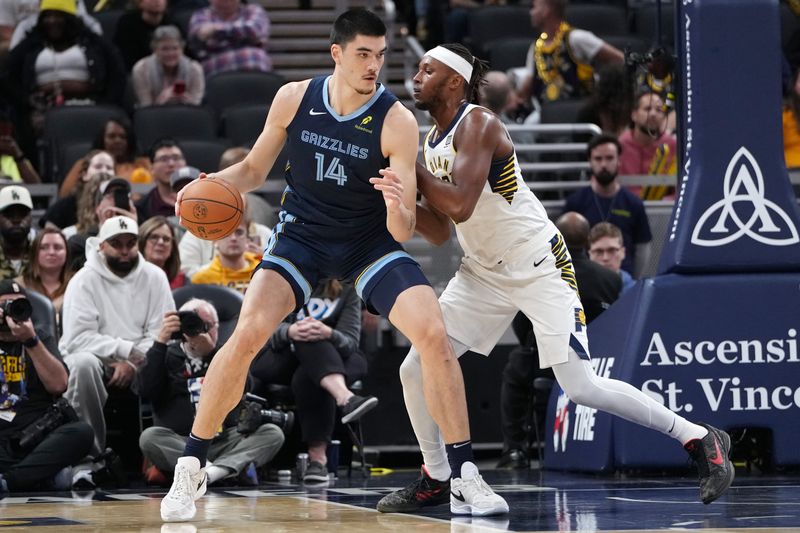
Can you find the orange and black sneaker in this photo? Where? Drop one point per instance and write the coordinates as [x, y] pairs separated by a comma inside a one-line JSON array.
[[423, 492], [710, 454]]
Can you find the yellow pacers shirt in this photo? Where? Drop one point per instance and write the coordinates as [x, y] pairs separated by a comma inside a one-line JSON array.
[[216, 274]]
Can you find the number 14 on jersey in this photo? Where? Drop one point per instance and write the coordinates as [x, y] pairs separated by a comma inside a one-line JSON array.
[[334, 171]]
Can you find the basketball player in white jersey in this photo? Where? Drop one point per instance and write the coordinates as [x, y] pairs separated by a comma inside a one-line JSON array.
[[514, 260]]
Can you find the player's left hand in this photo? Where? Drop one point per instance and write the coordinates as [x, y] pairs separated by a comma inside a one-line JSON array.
[[391, 187]]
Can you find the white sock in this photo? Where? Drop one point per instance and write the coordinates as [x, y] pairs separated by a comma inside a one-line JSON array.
[[684, 431], [215, 473]]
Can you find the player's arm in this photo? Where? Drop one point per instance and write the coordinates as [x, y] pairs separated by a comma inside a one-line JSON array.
[[476, 140], [431, 224], [398, 182], [251, 172]]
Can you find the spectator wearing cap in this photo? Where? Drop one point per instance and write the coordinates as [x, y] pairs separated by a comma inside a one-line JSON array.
[[113, 309], [158, 245], [166, 157], [103, 197], [32, 377], [61, 62], [15, 229]]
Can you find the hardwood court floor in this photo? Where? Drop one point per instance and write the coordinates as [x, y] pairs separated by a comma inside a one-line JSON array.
[[548, 502]]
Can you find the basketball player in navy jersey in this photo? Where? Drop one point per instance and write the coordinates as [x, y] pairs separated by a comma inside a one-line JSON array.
[[351, 198], [515, 260]]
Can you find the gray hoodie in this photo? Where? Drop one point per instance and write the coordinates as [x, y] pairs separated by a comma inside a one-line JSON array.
[[107, 315]]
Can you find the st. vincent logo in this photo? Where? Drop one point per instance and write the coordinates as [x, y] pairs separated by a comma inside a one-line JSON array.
[[744, 210]]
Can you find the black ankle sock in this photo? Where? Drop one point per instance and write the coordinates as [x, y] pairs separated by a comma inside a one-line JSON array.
[[197, 447], [458, 453]]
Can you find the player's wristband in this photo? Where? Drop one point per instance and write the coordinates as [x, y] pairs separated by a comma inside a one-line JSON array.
[[32, 342]]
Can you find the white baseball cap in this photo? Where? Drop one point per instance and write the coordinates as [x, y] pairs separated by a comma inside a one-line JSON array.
[[15, 195], [118, 226]]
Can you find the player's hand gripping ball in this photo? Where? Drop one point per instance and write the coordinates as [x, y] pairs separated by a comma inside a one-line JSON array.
[[210, 208]]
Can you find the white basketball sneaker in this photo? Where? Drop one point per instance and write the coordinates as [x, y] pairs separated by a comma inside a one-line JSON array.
[[470, 495], [188, 485]]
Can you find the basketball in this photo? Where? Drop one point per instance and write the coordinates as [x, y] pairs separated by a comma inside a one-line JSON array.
[[211, 208]]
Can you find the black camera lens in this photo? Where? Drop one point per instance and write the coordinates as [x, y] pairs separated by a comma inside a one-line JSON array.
[[19, 310], [191, 323]]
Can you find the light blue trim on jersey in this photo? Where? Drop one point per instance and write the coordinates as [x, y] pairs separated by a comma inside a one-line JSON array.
[[355, 113], [367, 274], [287, 265]]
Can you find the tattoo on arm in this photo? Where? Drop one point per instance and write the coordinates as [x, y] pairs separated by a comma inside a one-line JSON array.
[[412, 221]]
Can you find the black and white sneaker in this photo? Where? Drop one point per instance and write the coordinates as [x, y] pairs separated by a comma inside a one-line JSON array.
[[423, 492], [356, 407], [315, 473], [710, 454]]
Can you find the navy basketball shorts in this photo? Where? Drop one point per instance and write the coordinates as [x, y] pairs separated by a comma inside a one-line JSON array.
[[375, 263]]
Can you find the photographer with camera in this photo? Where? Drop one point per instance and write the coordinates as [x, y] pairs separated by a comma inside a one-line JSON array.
[[39, 432], [172, 379]]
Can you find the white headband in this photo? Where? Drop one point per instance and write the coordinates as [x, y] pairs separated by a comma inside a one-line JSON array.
[[452, 60]]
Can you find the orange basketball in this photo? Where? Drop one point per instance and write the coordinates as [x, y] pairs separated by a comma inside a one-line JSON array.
[[211, 208]]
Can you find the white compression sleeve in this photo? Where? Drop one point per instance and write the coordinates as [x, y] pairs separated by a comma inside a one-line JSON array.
[[428, 436]]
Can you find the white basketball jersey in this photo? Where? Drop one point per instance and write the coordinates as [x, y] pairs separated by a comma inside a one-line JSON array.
[[507, 212]]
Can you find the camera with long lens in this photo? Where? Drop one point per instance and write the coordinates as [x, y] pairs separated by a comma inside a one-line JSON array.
[[19, 310], [256, 413], [191, 325], [57, 415]]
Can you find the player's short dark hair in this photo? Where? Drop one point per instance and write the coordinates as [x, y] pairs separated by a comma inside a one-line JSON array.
[[479, 70], [602, 138], [357, 21]]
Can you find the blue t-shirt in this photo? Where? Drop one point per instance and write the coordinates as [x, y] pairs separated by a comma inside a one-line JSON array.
[[625, 210]]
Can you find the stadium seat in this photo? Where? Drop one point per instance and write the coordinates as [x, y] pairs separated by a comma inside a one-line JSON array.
[[229, 89], [242, 124], [68, 125], [645, 21], [68, 155], [226, 301], [598, 19], [108, 20], [626, 42], [487, 24], [511, 52], [562, 112], [181, 122], [181, 18], [204, 154], [44, 314]]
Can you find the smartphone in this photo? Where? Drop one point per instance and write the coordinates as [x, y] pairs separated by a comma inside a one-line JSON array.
[[121, 199], [179, 87]]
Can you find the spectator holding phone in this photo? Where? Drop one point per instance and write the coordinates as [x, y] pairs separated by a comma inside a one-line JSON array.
[[167, 76]]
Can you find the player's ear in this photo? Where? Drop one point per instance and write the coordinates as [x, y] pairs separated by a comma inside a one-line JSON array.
[[336, 52]]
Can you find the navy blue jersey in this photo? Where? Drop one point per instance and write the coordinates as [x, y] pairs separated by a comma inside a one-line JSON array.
[[331, 159]]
